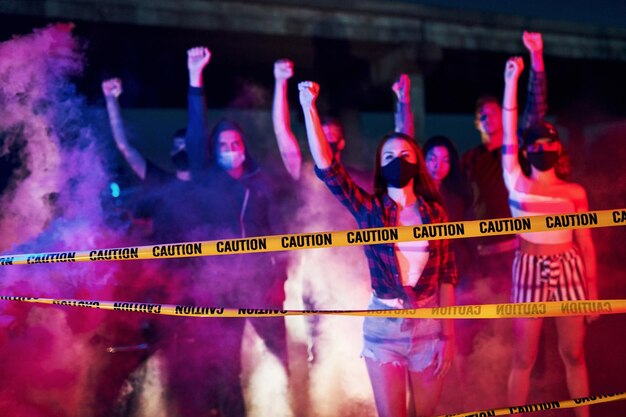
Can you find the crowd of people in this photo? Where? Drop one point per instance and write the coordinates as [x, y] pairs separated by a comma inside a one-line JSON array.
[[218, 190]]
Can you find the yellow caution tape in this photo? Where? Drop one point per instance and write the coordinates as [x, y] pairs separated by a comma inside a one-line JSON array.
[[484, 311], [358, 237], [552, 405]]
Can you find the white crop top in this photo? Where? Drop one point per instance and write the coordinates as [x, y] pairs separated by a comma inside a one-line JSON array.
[[412, 256], [522, 203]]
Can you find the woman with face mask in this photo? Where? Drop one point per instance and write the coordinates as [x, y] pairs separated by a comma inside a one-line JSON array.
[[548, 266], [403, 275]]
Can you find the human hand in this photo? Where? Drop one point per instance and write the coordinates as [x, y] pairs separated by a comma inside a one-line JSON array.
[[112, 87], [309, 91], [513, 69], [444, 356], [283, 69], [197, 58], [533, 41], [402, 88]]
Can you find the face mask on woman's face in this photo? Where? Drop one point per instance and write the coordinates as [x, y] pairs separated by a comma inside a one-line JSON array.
[[398, 172], [543, 160], [231, 159]]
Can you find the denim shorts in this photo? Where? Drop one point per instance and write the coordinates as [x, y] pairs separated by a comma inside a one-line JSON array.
[[411, 343]]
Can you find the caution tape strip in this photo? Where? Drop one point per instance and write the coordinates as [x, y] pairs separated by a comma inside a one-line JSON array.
[[356, 237], [483, 311], [552, 405]]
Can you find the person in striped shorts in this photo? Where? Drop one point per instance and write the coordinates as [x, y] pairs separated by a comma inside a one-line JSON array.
[[548, 266]]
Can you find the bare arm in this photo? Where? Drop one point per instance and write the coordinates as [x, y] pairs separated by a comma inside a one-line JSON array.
[[287, 142], [318, 144], [112, 89], [403, 117], [510, 162]]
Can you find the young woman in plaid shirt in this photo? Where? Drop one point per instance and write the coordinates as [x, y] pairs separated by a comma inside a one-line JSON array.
[[403, 275]]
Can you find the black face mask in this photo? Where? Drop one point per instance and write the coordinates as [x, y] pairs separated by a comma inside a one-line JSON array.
[[543, 160], [181, 160], [399, 172]]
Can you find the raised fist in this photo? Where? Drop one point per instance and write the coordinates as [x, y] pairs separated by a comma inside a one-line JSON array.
[[112, 87], [198, 58], [513, 69], [402, 88], [283, 69], [533, 41], [308, 93]]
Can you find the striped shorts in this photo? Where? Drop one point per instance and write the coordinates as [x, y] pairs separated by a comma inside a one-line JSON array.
[[548, 278]]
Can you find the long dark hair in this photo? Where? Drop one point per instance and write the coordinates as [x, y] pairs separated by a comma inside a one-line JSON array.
[[249, 165], [454, 181], [423, 185]]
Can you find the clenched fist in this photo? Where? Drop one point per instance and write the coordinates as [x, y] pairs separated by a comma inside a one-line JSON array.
[[112, 87], [513, 69], [402, 88], [533, 41], [283, 69], [198, 58], [308, 93]]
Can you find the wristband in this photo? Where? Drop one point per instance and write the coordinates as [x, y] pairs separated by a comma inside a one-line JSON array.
[[509, 149]]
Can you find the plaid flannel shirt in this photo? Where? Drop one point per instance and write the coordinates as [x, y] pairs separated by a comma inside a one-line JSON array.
[[372, 211], [536, 101]]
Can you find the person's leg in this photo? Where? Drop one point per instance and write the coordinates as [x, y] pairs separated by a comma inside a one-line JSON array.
[[426, 389], [274, 334], [110, 380], [189, 358], [571, 332], [389, 386], [490, 284], [526, 333], [227, 367], [119, 354], [270, 294]]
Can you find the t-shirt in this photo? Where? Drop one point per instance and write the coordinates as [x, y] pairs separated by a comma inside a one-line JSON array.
[[483, 170]]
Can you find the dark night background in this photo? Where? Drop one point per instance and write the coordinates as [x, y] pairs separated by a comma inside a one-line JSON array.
[[151, 61]]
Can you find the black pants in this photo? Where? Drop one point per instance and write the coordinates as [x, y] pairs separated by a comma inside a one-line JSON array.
[[205, 363]]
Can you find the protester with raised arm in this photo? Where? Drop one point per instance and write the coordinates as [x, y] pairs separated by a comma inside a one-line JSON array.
[[403, 117], [403, 275], [238, 202], [287, 142], [143, 168], [548, 266]]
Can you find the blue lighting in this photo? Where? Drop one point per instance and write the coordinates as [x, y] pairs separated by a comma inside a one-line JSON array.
[[115, 189]]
